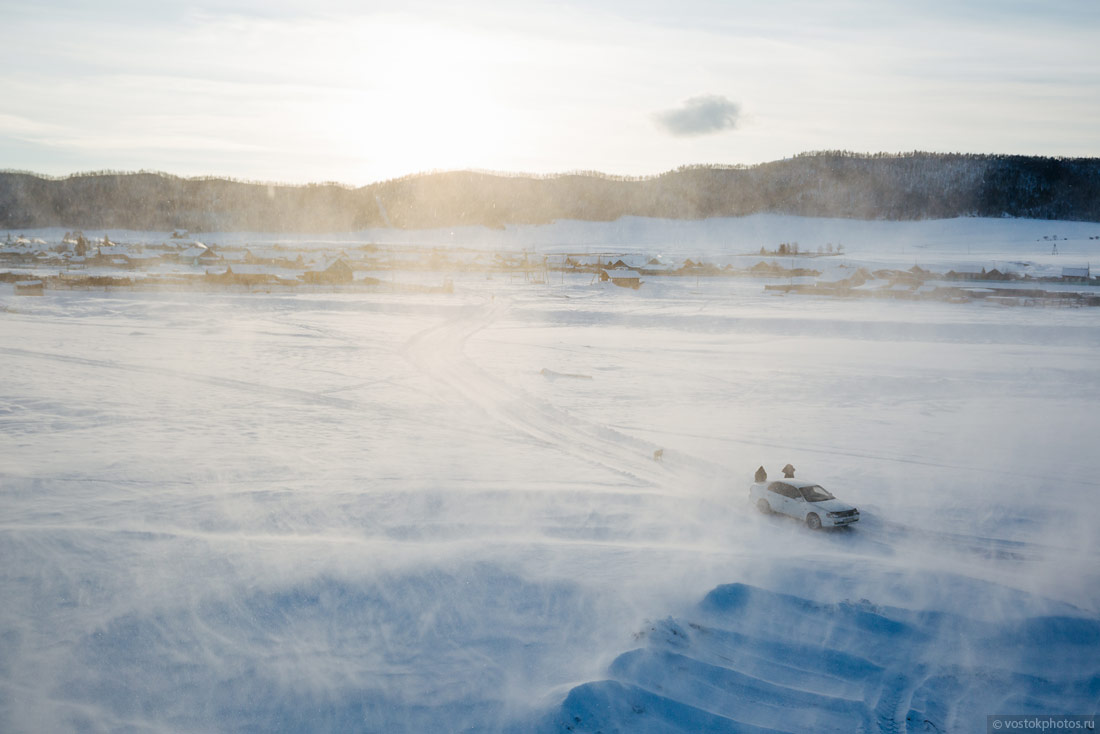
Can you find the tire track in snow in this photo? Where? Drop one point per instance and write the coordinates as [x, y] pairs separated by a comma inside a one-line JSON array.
[[968, 544], [439, 352], [828, 450], [241, 385]]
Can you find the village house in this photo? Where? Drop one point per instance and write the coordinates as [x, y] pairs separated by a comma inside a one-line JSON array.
[[234, 256], [654, 266], [241, 274], [30, 288], [767, 270], [622, 277], [337, 272], [209, 257], [964, 272], [1076, 275], [17, 256], [113, 256], [190, 255], [274, 256]]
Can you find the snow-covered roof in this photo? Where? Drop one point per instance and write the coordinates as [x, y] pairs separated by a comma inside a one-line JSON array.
[[323, 264], [586, 259], [1075, 272], [872, 285], [194, 251], [315, 259], [263, 253], [623, 274], [633, 261], [246, 269]]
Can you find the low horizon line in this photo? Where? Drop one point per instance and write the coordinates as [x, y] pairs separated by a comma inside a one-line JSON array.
[[528, 174]]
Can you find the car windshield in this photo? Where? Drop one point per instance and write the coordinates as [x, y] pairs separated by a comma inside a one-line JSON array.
[[816, 493]]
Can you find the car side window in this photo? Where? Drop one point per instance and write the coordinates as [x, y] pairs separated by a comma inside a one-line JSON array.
[[784, 489]]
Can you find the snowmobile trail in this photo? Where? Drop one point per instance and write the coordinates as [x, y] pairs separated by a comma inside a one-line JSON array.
[[439, 352]]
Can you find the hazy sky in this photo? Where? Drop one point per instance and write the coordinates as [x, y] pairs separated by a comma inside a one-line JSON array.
[[361, 91]]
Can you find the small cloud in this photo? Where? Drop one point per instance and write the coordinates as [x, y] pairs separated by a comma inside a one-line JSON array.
[[703, 115]]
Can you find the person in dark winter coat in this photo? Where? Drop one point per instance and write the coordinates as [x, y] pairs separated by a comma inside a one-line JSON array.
[[788, 471], [761, 475]]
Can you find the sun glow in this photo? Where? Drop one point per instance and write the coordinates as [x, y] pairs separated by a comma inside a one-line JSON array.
[[426, 99]]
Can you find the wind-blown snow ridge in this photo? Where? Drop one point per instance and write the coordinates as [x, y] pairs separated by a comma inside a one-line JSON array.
[[751, 660]]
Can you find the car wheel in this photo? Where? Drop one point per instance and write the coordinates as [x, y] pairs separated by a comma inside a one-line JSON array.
[[764, 507], [813, 522]]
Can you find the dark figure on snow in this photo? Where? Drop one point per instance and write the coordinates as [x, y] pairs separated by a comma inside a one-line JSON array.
[[761, 475], [788, 471]]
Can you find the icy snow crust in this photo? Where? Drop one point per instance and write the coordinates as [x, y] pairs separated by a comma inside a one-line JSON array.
[[379, 511]]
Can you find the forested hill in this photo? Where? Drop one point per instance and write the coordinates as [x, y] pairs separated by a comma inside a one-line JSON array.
[[833, 184]]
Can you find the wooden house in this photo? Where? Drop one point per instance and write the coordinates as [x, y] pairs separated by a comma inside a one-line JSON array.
[[337, 272], [622, 277], [1076, 275], [30, 288]]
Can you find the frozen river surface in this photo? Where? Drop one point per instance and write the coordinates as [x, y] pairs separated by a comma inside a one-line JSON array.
[[394, 512]]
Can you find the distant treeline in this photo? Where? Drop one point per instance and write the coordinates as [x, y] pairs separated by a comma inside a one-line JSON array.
[[823, 184]]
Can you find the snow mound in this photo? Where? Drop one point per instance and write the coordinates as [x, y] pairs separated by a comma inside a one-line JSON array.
[[752, 660]]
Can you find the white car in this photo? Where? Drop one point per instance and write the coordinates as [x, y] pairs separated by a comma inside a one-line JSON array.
[[802, 500]]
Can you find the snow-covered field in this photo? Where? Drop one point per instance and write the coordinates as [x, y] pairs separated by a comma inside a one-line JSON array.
[[311, 512]]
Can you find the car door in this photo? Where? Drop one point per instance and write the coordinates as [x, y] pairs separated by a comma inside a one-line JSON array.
[[796, 504], [782, 498]]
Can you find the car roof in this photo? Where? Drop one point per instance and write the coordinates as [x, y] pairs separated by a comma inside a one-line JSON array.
[[798, 483]]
